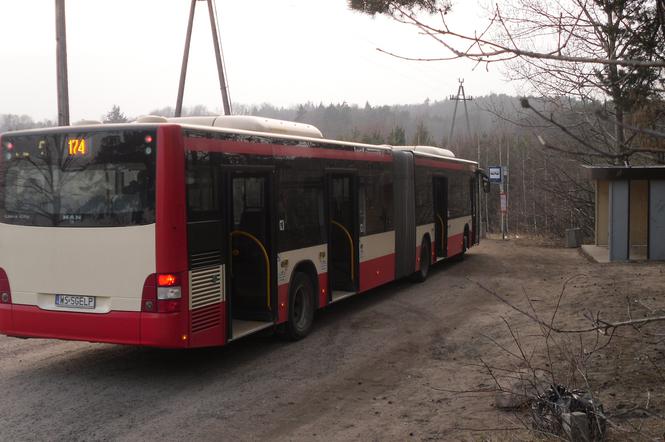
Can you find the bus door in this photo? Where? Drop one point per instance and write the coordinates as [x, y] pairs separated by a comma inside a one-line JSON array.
[[475, 224], [440, 199], [342, 234], [252, 297]]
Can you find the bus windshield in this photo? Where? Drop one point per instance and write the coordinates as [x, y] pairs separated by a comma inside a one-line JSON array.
[[90, 179]]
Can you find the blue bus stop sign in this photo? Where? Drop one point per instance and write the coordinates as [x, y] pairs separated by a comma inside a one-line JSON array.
[[495, 174]]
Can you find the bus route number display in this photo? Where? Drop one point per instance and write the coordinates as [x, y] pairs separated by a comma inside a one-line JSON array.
[[77, 147]]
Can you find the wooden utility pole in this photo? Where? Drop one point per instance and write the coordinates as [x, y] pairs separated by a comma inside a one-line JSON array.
[[218, 57], [61, 63]]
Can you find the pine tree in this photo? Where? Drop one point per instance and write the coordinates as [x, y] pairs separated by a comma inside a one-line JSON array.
[[397, 137], [115, 115], [422, 136]]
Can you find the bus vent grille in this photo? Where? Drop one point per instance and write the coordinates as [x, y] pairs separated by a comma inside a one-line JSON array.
[[205, 259], [205, 318], [206, 286]]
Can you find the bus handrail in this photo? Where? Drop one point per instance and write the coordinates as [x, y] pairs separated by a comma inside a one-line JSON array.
[[443, 233], [350, 238], [265, 256]]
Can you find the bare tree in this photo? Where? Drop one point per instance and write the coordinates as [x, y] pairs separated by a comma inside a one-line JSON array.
[[604, 58]]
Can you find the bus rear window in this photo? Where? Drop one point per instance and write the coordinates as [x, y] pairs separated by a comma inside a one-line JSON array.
[[94, 179]]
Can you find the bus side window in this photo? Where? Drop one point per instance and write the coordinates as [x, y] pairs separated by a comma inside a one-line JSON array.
[[300, 209], [202, 188]]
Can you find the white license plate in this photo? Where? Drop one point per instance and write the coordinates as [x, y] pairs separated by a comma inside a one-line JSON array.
[[74, 301]]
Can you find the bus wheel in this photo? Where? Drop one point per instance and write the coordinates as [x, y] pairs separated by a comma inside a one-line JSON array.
[[301, 308], [425, 261]]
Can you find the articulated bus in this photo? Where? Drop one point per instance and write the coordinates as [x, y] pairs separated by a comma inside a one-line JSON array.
[[193, 232]]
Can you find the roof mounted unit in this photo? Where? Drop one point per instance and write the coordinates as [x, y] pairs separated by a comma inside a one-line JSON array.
[[254, 124], [86, 123], [428, 150], [151, 119]]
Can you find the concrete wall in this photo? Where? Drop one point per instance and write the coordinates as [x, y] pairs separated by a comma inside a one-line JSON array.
[[639, 212], [602, 212]]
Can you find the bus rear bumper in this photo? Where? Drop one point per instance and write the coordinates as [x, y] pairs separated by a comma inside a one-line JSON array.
[[132, 328]]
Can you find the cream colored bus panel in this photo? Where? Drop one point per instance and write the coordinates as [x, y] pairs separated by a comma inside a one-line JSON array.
[[422, 230], [110, 263], [287, 261], [377, 245], [456, 226]]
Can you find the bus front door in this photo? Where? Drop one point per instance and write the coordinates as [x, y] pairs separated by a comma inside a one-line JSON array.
[[342, 235], [440, 198], [250, 239]]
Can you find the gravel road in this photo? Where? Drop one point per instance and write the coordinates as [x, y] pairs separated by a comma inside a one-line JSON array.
[[375, 367]]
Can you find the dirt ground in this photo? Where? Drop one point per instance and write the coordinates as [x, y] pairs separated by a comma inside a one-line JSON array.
[[402, 362]]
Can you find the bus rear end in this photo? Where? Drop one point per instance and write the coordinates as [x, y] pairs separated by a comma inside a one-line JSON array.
[[89, 240]]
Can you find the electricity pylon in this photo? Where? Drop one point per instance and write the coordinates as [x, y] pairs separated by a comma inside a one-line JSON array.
[[223, 86], [457, 98]]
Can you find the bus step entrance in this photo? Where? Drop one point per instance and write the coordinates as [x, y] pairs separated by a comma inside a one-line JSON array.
[[242, 328], [338, 295]]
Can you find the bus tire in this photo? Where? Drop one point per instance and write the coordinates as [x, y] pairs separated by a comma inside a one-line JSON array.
[[301, 308], [425, 262]]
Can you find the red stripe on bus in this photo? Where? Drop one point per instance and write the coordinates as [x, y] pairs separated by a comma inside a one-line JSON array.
[[377, 271], [112, 327], [455, 244], [132, 328], [212, 335], [208, 145], [323, 289], [443, 164], [6, 323], [171, 231], [283, 303]]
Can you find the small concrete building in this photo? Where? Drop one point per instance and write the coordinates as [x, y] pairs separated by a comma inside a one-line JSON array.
[[630, 213]]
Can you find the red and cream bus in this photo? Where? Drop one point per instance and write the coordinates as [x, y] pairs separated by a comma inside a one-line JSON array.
[[193, 232]]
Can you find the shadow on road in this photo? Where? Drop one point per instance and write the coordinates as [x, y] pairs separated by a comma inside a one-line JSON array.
[[157, 367]]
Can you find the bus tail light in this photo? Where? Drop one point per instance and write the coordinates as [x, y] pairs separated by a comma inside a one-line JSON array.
[[5, 291], [167, 280], [169, 293], [168, 287], [162, 293]]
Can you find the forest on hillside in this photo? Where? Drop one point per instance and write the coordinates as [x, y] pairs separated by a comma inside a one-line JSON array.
[[594, 93], [548, 191]]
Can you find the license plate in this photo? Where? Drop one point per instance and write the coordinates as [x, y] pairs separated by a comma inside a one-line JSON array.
[[74, 301]]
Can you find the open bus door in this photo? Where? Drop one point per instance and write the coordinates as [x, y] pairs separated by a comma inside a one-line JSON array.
[[440, 199], [252, 300], [343, 259]]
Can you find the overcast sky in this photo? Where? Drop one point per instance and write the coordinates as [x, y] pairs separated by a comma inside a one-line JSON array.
[[284, 52]]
